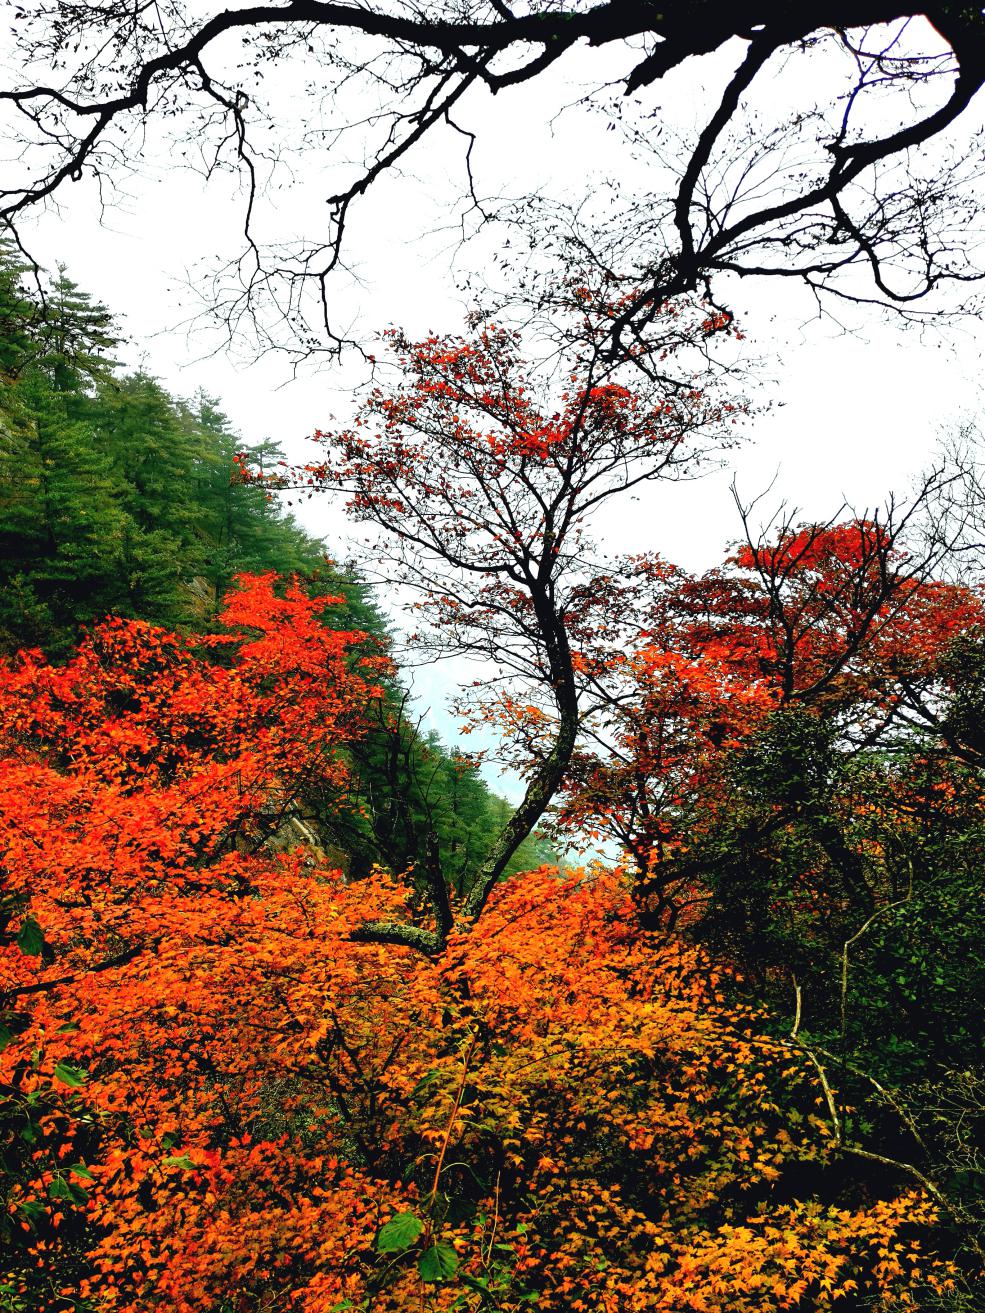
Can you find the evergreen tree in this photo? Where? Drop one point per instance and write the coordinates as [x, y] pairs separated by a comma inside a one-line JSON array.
[[75, 338], [61, 524], [18, 313]]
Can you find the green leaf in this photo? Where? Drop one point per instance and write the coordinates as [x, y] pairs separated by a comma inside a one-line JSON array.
[[67, 1028], [427, 1079], [480, 1286], [179, 1160], [80, 1169], [6, 1035], [399, 1233], [60, 1189], [438, 1263], [32, 1210], [30, 939], [69, 1075]]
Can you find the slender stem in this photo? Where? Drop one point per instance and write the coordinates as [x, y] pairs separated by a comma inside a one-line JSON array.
[[459, 1095], [798, 1001]]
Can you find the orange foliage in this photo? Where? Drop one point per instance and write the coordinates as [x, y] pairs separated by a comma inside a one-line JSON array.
[[236, 1107]]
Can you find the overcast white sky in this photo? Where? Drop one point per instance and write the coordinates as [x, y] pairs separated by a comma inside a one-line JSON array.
[[845, 416]]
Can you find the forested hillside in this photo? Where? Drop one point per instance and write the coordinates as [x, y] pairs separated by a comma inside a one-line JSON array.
[[118, 499], [295, 1014]]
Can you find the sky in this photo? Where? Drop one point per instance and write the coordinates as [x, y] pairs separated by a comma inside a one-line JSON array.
[[838, 416]]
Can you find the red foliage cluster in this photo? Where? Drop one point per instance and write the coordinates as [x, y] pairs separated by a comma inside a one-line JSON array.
[[836, 621]]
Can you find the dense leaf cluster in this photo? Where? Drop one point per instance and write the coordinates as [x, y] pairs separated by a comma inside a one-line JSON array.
[[219, 1098]]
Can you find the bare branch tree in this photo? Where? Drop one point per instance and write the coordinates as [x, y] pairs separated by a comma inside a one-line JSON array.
[[840, 193]]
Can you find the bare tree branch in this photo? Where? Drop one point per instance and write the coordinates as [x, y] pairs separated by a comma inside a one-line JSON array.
[[858, 206]]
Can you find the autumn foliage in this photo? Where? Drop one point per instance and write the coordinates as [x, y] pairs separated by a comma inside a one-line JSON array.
[[215, 1096], [838, 624]]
